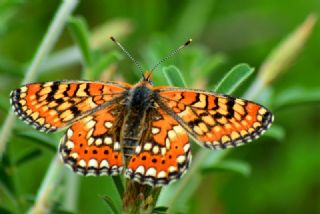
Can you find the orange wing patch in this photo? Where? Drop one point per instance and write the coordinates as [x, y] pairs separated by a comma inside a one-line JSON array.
[[163, 156], [53, 105], [91, 146], [217, 121]]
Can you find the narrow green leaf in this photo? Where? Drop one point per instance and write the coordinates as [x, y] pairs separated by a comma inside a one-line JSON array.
[[297, 96], [104, 62], [8, 196], [61, 211], [276, 132], [191, 24], [4, 103], [70, 56], [281, 57], [29, 198], [80, 33], [10, 67], [287, 51], [236, 166], [39, 138], [214, 158], [5, 211], [111, 204], [8, 190], [180, 203], [29, 155], [173, 76], [8, 11], [234, 78], [160, 210], [6, 174], [212, 63], [119, 185]]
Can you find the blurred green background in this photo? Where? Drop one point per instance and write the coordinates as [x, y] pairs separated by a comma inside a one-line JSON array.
[[284, 167]]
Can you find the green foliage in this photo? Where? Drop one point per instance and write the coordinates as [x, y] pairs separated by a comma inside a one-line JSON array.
[[79, 30], [111, 204], [104, 62], [297, 96], [276, 132], [224, 34], [160, 210], [27, 156], [234, 78], [174, 76], [39, 138], [236, 166]]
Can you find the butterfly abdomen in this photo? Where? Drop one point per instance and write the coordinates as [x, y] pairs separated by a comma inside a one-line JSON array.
[[138, 102]]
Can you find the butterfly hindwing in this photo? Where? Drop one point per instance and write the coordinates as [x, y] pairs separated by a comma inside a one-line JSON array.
[[53, 105], [91, 146], [164, 154], [217, 121]]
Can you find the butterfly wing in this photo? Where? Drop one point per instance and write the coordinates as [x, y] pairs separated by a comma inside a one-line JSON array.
[[91, 146], [53, 105], [164, 153], [215, 121]]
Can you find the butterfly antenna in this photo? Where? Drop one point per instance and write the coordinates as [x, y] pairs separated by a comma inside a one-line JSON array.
[[171, 55], [127, 53]]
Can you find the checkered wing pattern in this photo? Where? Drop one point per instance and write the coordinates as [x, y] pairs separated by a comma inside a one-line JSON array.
[[164, 153], [91, 146], [216, 121], [53, 105]]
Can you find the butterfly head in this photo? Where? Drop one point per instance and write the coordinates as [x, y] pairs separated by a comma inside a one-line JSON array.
[[147, 77]]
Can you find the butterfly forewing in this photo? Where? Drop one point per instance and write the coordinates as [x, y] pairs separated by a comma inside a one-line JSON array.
[[217, 121], [164, 154], [53, 105]]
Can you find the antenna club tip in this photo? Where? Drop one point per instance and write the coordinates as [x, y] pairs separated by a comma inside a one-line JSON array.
[[188, 42], [112, 38]]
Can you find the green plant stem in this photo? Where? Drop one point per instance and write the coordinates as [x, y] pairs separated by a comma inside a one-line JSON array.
[[6, 131], [45, 47], [71, 191], [53, 178]]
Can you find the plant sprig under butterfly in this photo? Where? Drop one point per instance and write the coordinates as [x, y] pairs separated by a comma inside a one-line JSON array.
[[139, 130]]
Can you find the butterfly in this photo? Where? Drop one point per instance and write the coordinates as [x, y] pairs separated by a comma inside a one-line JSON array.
[[139, 130]]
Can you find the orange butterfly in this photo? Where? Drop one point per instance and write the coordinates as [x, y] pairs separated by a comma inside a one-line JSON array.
[[139, 129]]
